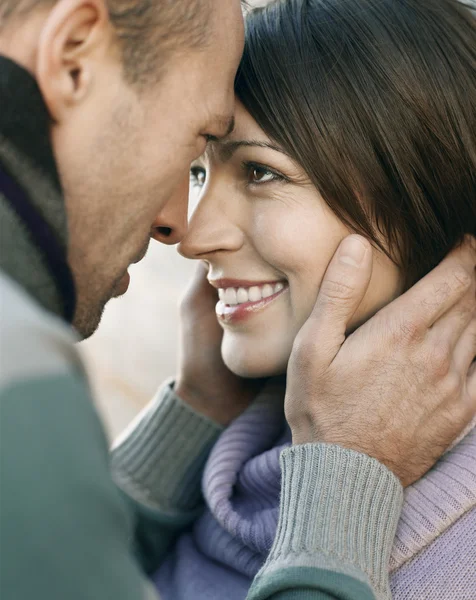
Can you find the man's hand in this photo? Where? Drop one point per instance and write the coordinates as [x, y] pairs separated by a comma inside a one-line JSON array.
[[204, 382], [400, 388]]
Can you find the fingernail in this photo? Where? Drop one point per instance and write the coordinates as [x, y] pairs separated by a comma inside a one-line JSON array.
[[352, 250]]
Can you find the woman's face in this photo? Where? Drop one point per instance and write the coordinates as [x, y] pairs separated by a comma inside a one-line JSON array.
[[268, 237]]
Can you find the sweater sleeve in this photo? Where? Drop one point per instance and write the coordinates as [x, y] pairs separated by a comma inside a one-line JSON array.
[[158, 464], [338, 516]]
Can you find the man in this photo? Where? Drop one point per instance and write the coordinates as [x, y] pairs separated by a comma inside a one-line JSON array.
[[104, 106]]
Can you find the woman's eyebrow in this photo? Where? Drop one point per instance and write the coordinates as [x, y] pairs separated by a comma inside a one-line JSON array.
[[225, 149]]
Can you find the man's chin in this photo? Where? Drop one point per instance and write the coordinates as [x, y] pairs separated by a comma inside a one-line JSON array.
[[89, 313], [86, 322]]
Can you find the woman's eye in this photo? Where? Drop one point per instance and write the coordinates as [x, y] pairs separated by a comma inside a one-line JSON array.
[[257, 174], [198, 176], [261, 175]]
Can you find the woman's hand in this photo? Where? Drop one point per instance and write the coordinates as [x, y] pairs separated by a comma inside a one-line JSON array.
[[204, 382], [402, 387]]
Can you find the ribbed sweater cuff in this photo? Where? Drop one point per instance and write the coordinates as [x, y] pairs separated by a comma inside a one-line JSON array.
[[339, 511], [159, 460]]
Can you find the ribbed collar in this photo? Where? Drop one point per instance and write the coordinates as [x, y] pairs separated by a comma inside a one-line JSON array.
[[31, 193]]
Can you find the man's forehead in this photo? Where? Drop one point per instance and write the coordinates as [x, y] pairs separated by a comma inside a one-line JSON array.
[[244, 128], [227, 123]]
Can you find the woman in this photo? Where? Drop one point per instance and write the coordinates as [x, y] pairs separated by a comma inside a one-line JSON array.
[[353, 115]]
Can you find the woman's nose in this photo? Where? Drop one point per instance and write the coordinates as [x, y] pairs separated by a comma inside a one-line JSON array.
[[170, 225], [211, 229]]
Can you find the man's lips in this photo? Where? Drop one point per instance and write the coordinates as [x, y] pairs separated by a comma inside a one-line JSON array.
[[141, 254], [122, 285]]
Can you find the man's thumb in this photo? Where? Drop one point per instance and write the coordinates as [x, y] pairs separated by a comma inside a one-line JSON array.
[[342, 290]]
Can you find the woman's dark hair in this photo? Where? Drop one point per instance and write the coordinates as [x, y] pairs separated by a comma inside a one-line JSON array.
[[376, 100]]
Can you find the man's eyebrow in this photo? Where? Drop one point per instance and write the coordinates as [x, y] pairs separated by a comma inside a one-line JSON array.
[[226, 149]]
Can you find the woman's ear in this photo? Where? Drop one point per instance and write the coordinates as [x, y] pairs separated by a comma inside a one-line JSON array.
[[76, 35]]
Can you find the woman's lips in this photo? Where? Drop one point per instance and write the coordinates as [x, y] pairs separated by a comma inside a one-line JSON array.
[[235, 313]]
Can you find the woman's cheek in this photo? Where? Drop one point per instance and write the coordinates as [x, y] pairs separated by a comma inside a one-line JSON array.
[[297, 237], [283, 234]]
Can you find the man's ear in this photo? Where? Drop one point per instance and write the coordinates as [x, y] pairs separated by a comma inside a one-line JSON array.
[[77, 33]]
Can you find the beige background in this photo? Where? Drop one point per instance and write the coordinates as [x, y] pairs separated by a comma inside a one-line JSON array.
[[135, 347]]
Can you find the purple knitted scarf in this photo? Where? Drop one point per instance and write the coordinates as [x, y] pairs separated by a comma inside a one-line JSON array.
[[434, 554]]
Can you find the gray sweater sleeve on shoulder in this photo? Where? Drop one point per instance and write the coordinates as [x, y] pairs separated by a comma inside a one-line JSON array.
[[65, 530]]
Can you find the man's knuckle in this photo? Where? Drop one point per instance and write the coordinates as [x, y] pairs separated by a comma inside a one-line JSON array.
[[452, 386], [466, 310], [304, 350], [409, 330], [440, 359], [441, 291], [462, 280], [299, 414], [335, 290]]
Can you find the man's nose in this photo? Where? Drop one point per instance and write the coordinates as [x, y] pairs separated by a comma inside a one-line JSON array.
[[170, 225]]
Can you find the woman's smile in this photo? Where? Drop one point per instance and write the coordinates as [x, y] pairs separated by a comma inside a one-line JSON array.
[[240, 300]]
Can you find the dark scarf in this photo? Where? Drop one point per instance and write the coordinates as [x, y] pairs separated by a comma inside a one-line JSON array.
[[33, 237]]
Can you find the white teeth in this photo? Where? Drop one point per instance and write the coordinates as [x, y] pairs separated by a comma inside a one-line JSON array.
[[267, 291], [242, 296], [254, 294], [229, 296], [232, 296]]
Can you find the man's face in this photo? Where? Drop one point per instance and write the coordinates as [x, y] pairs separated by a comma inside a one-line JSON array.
[[124, 157]]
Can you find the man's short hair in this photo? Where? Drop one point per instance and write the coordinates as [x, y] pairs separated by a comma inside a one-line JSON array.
[[147, 30]]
